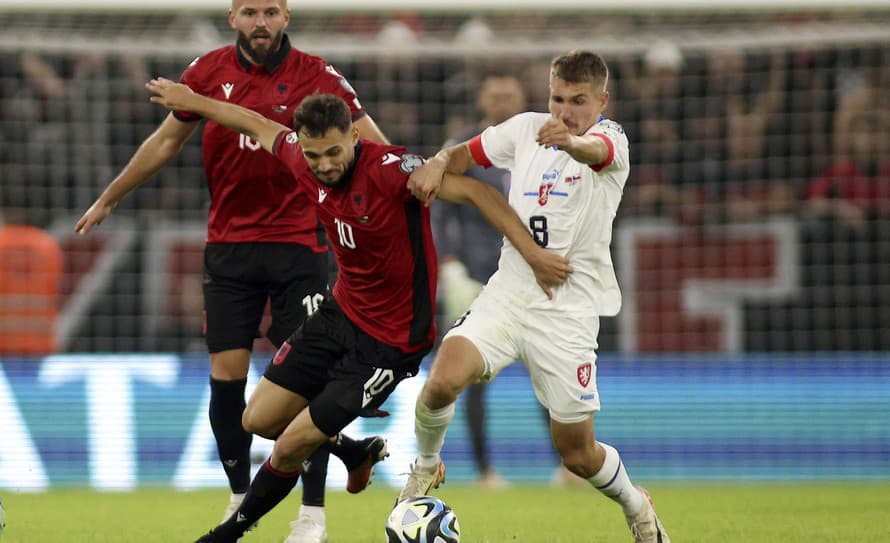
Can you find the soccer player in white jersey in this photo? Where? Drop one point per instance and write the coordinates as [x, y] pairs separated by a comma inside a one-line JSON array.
[[568, 171]]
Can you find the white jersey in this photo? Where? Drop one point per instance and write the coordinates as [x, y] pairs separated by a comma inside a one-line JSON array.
[[567, 205]]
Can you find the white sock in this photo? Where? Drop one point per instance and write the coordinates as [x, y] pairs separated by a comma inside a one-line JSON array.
[[430, 426], [612, 480], [314, 512]]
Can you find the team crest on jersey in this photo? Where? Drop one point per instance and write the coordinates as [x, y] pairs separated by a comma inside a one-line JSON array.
[[584, 373], [544, 193], [410, 163]]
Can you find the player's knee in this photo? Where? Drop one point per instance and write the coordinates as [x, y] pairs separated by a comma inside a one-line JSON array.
[[254, 423], [440, 391], [579, 458]]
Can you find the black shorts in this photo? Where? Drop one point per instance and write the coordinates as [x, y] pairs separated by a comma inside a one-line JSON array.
[[342, 371], [240, 277]]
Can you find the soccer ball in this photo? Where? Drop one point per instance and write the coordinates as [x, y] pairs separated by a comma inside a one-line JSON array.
[[422, 520]]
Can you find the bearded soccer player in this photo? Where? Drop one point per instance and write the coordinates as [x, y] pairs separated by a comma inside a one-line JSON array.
[[264, 241], [378, 324]]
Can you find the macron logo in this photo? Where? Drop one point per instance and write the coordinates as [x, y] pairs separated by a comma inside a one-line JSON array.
[[390, 158], [227, 89], [322, 194], [240, 517]]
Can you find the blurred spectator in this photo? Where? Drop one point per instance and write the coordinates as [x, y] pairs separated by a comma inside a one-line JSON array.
[[651, 111], [752, 190]]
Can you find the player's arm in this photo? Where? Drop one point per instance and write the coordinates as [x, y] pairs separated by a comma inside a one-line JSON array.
[[155, 152], [369, 130], [426, 181], [549, 267], [179, 97], [590, 149]]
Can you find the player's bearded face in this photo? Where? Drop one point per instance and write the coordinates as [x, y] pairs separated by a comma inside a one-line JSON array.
[[578, 105], [260, 44], [330, 156]]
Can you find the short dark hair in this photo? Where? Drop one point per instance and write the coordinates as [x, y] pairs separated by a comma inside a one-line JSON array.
[[580, 67], [318, 113]]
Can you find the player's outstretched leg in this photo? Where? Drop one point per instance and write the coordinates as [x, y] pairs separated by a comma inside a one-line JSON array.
[[359, 457], [268, 488], [309, 526], [428, 471]]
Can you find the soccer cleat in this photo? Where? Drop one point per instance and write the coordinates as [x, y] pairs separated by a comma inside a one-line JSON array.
[[645, 526], [360, 476], [420, 482], [306, 530], [213, 537]]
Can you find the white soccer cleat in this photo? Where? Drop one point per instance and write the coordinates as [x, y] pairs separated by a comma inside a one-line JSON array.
[[645, 526], [234, 503], [306, 530], [420, 481]]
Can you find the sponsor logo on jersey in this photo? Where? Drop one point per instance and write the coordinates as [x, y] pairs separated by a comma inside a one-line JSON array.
[[584, 372], [227, 89], [572, 179], [390, 158], [410, 163], [281, 354]]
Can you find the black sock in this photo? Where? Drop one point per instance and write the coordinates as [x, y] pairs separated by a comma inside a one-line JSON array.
[[350, 451], [232, 442], [315, 472], [268, 488]]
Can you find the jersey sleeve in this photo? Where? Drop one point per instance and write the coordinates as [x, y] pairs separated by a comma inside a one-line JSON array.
[[331, 81], [615, 139], [395, 167], [191, 77], [287, 150], [496, 145]]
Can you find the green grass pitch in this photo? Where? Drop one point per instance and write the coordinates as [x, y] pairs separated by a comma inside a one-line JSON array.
[[713, 513]]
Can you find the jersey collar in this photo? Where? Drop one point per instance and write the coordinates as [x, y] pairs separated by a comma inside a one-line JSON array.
[[275, 60]]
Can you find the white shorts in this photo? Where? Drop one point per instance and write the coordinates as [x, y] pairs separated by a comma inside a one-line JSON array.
[[558, 348]]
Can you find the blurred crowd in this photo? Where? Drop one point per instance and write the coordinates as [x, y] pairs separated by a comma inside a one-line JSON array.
[[717, 137]]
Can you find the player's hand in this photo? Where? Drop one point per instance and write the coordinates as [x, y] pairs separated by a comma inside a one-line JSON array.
[[94, 216], [425, 181], [555, 133], [550, 268], [173, 96]]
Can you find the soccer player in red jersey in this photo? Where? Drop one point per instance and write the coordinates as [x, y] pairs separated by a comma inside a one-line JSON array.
[[374, 330], [264, 240]]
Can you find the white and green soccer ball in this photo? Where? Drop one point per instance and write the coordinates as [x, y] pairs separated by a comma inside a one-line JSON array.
[[422, 520]]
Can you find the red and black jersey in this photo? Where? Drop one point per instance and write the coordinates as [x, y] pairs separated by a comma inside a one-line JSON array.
[[252, 195], [381, 238]]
